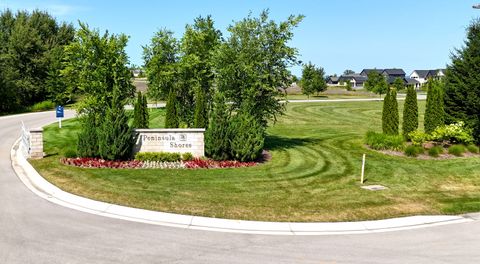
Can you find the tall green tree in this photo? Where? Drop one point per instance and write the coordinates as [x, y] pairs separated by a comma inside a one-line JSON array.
[[390, 118], [200, 118], [410, 112], [376, 83], [161, 57], [140, 112], [462, 82], [171, 117], [313, 79], [30, 52], [217, 135], [97, 65], [398, 84], [434, 112], [253, 63]]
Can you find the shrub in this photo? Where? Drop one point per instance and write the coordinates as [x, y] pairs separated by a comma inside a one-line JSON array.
[[418, 137], [247, 136], [115, 138], [390, 118], [217, 137], [70, 153], [410, 113], [454, 133], [187, 156], [43, 106], [140, 112], [434, 112], [457, 150], [87, 143], [381, 141], [472, 148], [158, 156], [413, 151], [435, 151]]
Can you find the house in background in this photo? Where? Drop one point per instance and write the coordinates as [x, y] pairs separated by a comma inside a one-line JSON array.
[[332, 80], [356, 80], [422, 76]]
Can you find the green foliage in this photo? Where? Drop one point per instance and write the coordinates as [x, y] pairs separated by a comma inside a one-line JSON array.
[[381, 141], [313, 79], [434, 113], [453, 133], [159, 156], [410, 113], [160, 59], [187, 156], [247, 136], [140, 112], [171, 118], [217, 145], [98, 66], [87, 144], [413, 151], [254, 62], [456, 150], [348, 85], [435, 151], [115, 137], [472, 148], [70, 153], [43, 106], [418, 137], [31, 46], [376, 83], [398, 84], [390, 118], [200, 117], [462, 85]]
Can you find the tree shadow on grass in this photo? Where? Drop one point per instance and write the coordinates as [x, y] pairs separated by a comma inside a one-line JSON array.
[[273, 142]]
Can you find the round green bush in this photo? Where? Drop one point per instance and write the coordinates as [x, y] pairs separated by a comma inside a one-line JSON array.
[[457, 150], [472, 148], [187, 156], [435, 151], [70, 153], [413, 151]]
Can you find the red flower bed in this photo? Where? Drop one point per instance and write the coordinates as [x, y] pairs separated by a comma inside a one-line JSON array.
[[100, 163], [210, 164]]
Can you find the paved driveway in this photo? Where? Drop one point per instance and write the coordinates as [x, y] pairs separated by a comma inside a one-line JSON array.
[[33, 230]]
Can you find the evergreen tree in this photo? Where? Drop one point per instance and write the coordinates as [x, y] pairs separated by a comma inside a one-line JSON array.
[[434, 112], [247, 136], [410, 112], [115, 138], [87, 143], [217, 137], [390, 119], [140, 112], [171, 118], [200, 117], [462, 83]]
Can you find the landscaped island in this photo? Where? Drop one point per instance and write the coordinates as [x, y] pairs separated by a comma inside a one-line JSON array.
[[313, 174]]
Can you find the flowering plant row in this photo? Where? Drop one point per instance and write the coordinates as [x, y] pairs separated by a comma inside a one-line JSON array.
[[101, 163], [136, 164], [211, 164]]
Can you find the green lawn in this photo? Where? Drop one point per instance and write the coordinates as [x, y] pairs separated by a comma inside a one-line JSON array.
[[313, 175]]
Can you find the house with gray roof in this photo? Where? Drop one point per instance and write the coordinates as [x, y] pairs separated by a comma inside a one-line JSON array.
[[356, 80], [422, 76]]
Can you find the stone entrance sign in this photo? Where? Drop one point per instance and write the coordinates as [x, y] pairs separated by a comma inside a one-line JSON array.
[[171, 140]]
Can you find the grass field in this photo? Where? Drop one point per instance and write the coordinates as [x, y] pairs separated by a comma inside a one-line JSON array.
[[313, 175]]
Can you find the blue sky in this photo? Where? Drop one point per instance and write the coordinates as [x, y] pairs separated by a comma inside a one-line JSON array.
[[337, 35]]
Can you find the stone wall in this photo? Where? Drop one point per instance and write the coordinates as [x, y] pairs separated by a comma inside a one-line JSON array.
[[36, 143], [171, 140]]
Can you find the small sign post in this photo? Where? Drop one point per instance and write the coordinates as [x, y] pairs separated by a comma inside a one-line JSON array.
[[59, 115], [363, 169]]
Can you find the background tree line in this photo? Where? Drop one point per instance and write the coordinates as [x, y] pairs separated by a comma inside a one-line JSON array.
[[31, 52]]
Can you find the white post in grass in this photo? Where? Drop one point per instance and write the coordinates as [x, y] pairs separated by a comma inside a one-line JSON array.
[[363, 169]]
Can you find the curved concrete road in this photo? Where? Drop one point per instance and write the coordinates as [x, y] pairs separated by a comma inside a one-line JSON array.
[[33, 230]]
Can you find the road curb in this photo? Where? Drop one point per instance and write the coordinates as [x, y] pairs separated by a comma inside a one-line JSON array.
[[41, 187]]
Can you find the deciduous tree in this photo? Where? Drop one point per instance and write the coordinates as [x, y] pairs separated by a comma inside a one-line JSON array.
[[313, 79]]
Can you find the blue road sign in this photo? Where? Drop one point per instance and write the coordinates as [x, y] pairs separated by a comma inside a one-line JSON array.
[[59, 111]]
